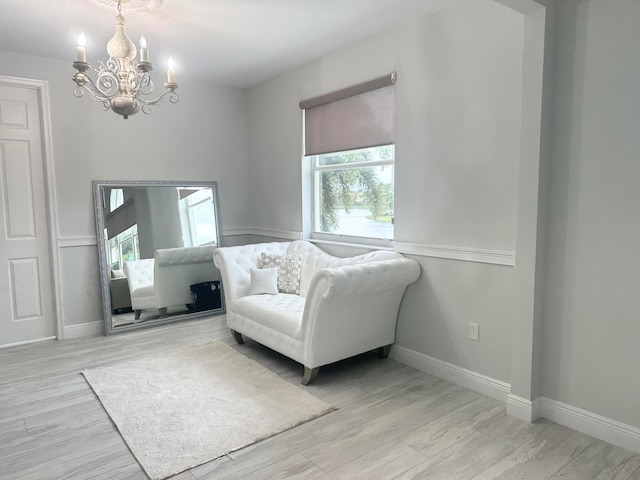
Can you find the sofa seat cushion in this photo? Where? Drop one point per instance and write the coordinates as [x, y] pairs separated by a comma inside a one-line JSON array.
[[282, 312], [144, 291]]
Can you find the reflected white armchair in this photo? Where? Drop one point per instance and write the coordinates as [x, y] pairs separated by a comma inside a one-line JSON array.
[[165, 280]]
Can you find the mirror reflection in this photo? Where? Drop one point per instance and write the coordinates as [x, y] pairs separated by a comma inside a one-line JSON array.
[[156, 252]]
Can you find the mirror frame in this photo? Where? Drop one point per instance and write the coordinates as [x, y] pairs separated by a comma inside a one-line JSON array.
[[109, 329]]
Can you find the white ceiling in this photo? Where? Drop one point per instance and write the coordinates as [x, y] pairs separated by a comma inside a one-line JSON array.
[[230, 42]]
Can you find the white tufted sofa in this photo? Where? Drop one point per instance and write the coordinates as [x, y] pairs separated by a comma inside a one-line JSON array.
[[346, 306], [164, 281]]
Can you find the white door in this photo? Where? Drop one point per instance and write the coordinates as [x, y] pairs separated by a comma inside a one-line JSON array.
[[26, 292]]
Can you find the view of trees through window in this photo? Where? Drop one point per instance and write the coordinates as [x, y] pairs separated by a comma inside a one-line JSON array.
[[354, 192], [123, 247]]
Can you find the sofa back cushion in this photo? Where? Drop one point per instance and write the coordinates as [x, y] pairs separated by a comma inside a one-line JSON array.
[[235, 264], [288, 268], [139, 273], [184, 255], [314, 259]]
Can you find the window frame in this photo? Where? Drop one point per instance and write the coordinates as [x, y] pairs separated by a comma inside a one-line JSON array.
[[315, 234]]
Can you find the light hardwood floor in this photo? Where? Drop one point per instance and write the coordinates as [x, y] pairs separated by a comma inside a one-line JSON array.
[[392, 422]]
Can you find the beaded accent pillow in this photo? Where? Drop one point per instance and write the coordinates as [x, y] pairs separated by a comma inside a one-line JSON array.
[[289, 270]]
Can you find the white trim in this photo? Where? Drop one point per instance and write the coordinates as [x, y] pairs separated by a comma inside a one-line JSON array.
[[42, 87], [523, 408], [237, 231], [262, 232], [474, 381], [603, 428], [351, 240], [79, 241], [89, 329], [26, 342], [467, 254]]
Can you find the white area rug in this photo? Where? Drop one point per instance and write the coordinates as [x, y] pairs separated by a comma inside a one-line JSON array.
[[186, 407]]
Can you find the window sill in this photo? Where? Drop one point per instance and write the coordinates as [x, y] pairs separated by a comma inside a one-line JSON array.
[[383, 245]]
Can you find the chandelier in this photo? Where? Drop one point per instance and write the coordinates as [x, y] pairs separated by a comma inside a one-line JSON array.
[[122, 83]]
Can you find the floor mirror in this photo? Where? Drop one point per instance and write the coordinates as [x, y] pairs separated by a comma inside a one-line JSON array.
[[155, 248]]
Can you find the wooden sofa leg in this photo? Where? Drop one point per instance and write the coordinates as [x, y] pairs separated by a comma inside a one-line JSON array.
[[383, 352], [238, 337], [309, 375], [137, 315], [163, 312]]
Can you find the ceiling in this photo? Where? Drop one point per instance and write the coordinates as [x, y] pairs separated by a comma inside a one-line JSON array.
[[229, 42]]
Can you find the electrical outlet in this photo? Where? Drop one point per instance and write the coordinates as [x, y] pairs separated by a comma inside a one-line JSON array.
[[474, 332]]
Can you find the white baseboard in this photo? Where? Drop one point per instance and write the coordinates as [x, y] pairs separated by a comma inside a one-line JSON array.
[[523, 408], [473, 381], [27, 342], [602, 428], [89, 329], [597, 426]]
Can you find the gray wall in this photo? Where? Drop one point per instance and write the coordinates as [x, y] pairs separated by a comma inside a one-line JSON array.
[[460, 179], [591, 332], [203, 137], [458, 115], [562, 323]]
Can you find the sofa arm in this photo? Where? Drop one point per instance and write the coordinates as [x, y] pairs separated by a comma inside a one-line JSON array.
[[350, 280], [352, 309]]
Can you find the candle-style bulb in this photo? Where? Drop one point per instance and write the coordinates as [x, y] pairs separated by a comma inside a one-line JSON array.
[[81, 55], [171, 72], [144, 53]]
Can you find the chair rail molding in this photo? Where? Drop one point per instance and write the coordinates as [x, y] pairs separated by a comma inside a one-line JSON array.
[[78, 241], [467, 254], [262, 232]]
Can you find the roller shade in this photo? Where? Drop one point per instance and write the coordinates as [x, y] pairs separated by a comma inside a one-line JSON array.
[[121, 219], [358, 116]]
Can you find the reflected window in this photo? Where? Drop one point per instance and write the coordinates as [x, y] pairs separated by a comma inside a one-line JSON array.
[[116, 199], [123, 247], [198, 216]]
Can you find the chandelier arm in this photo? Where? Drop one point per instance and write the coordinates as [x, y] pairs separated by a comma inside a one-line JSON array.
[[107, 82], [170, 95], [86, 84], [145, 84]]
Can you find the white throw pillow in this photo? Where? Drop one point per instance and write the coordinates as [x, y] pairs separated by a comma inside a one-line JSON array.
[[118, 274], [264, 280], [289, 270]]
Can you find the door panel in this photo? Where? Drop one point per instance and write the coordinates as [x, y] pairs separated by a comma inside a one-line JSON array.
[[26, 293]]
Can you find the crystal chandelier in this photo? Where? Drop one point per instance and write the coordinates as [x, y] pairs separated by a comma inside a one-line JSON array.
[[122, 82]]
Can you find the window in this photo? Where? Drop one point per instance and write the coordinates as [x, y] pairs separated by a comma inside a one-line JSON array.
[[353, 194], [349, 138]]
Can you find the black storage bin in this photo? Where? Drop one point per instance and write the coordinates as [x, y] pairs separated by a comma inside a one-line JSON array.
[[206, 295]]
